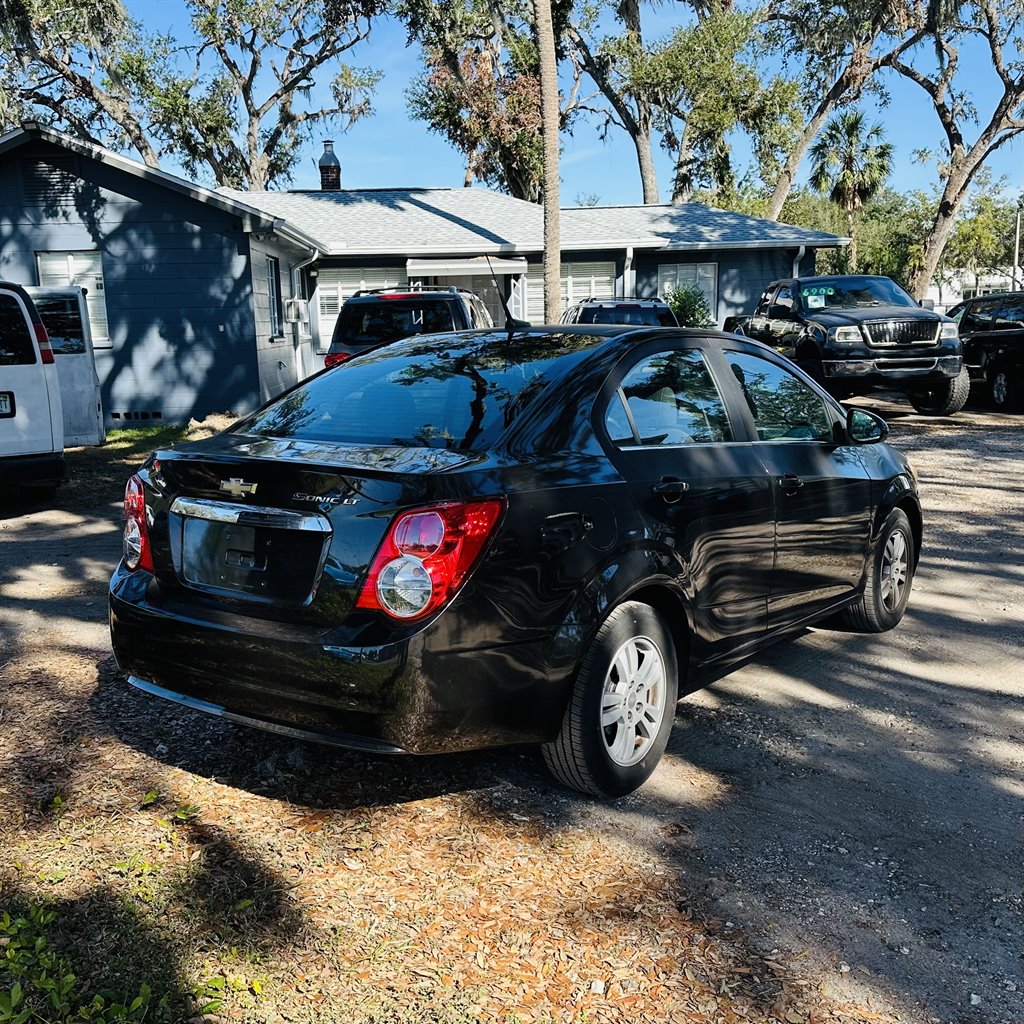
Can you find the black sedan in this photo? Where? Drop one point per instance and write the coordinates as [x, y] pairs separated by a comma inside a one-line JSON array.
[[546, 536]]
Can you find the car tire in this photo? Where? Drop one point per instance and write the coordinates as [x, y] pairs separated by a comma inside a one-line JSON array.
[[944, 399], [606, 747], [1005, 389], [887, 583]]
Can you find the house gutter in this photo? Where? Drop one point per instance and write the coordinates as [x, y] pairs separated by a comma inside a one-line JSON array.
[[796, 260]]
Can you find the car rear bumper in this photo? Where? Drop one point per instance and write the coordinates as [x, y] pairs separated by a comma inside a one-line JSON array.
[[44, 470], [412, 696]]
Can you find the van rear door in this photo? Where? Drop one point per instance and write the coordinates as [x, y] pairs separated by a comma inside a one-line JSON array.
[[30, 420], [66, 318]]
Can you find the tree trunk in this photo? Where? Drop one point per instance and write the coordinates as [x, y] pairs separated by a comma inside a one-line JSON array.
[[851, 227], [645, 159], [682, 180], [788, 173], [549, 127], [953, 196]]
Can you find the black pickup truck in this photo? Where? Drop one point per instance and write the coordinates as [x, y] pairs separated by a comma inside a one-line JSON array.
[[853, 333], [992, 332]]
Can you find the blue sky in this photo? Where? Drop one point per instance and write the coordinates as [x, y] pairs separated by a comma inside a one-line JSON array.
[[389, 149]]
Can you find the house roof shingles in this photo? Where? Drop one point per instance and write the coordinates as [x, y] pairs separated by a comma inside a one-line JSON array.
[[448, 220]]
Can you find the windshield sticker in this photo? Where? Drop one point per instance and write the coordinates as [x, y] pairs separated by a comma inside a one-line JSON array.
[[819, 289], [814, 301]]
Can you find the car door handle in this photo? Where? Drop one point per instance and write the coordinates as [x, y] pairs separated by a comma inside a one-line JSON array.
[[790, 483], [670, 488]]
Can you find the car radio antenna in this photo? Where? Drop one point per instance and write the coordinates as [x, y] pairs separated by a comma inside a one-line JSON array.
[[511, 323]]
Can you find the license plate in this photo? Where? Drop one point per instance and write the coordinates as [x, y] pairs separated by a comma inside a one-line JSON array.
[[6, 404]]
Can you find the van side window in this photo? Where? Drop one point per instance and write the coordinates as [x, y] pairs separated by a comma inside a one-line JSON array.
[[16, 343]]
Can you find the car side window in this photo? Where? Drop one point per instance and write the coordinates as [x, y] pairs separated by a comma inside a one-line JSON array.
[[783, 406], [979, 316], [783, 302], [16, 348], [668, 398], [765, 304], [1010, 315]]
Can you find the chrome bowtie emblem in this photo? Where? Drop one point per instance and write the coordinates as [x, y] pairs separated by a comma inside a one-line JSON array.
[[237, 487]]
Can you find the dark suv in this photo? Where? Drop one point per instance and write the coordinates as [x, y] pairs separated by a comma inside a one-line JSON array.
[[992, 332], [377, 316], [853, 333], [638, 312]]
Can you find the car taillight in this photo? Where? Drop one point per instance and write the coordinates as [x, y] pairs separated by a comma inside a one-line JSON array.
[[333, 358], [43, 339], [425, 557], [137, 554]]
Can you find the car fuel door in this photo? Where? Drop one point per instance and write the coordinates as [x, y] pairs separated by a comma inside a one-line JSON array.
[[704, 501], [822, 490]]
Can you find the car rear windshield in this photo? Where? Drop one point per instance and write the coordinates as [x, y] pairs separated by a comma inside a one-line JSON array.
[[16, 346], [625, 313], [62, 318], [378, 322], [447, 391], [852, 292]]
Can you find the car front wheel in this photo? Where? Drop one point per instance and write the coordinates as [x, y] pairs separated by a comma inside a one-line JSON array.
[[622, 707], [943, 399], [890, 573]]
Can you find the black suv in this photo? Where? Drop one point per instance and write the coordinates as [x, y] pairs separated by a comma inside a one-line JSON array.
[[854, 332], [376, 316], [992, 332], [638, 312]]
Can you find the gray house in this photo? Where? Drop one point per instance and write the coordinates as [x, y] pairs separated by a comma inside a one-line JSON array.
[[210, 300]]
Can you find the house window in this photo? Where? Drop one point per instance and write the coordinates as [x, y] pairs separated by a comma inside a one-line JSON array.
[[60, 269], [274, 296], [701, 275]]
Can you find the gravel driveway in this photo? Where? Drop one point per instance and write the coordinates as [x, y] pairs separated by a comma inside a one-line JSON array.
[[847, 807]]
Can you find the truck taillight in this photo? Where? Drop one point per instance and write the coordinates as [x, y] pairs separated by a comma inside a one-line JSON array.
[[137, 554], [43, 340], [426, 556]]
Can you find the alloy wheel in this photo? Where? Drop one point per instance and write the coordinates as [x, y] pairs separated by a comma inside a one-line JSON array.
[[894, 571], [1000, 388], [633, 701]]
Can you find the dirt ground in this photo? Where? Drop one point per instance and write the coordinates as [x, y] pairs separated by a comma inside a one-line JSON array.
[[835, 834]]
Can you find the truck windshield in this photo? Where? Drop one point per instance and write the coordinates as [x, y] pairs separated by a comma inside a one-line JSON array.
[[852, 292]]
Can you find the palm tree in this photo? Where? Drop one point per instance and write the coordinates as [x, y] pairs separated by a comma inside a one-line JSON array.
[[850, 161], [549, 128]]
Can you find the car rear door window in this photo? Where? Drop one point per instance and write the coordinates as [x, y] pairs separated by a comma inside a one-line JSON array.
[[1010, 315], [16, 345], [784, 408], [979, 316], [63, 320], [668, 398]]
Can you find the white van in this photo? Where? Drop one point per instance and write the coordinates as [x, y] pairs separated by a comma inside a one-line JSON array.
[[31, 417], [66, 318]]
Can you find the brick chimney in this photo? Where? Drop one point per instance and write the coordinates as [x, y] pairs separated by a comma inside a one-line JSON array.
[[330, 169]]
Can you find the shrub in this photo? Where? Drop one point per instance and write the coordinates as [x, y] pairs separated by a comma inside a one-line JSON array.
[[690, 306]]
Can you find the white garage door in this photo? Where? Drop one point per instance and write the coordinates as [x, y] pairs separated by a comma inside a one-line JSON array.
[[335, 284], [579, 281]]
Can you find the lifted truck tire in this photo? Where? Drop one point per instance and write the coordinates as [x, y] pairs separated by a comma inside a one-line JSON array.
[[944, 399]]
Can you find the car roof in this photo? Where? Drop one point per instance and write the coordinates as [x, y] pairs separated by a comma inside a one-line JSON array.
[[592, 301]]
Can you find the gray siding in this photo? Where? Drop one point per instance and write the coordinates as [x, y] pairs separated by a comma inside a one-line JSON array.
[[177, 284], [284, 359]]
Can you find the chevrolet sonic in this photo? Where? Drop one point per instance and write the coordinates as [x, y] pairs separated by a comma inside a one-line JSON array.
[[542, 536]]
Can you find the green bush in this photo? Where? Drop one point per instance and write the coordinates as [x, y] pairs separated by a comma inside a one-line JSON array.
[[690, 306], [36, 985]]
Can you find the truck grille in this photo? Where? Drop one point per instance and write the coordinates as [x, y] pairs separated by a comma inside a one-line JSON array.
[[902, 332]]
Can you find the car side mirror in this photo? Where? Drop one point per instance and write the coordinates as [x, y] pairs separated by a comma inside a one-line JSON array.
[[863, 427], [927, 304]]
